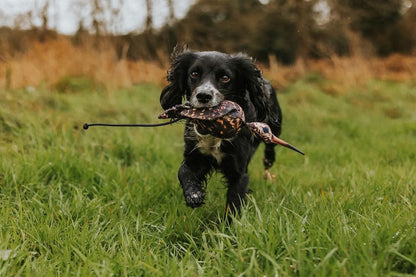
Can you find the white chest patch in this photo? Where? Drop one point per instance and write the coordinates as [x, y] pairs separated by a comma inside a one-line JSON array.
[[209, 145]]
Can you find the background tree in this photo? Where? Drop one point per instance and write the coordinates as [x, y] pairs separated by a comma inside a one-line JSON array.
[[287, 30], [379, 22]]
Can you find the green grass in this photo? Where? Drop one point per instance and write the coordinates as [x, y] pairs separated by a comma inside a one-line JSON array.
[[107, 201]]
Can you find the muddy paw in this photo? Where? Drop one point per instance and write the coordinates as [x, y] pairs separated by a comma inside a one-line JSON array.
[[195, 198]]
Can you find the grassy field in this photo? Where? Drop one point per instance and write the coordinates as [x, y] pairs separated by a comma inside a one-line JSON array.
[[107, 201]]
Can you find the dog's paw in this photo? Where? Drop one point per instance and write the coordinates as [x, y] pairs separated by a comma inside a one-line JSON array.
[[269, 176], [195, 198]]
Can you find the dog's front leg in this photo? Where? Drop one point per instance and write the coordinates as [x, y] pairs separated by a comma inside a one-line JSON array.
[[191, 176], [234, 169], [236, 194]]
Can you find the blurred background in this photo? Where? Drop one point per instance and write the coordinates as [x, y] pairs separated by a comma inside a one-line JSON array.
[[118, 43]]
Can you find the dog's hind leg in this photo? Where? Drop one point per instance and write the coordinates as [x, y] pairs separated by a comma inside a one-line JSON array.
[[268, 161]]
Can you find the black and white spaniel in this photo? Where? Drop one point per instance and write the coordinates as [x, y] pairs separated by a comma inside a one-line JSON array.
[[205, 79]]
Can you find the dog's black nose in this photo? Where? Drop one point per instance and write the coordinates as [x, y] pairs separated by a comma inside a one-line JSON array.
[[203, 97]]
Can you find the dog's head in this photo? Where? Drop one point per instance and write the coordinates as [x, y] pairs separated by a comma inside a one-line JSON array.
[[207, 78]]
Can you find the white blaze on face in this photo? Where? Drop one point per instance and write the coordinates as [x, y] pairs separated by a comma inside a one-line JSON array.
[[206, 90]]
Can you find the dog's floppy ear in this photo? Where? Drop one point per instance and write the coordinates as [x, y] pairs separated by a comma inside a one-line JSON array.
[[252, 80], [173, 93]]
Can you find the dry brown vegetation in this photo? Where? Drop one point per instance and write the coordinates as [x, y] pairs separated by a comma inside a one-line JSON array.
[[47, 63], [345, 71]]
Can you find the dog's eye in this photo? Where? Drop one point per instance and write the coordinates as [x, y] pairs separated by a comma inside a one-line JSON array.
[[225, 79], [194, 74]]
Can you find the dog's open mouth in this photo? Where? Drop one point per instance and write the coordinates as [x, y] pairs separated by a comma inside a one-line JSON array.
[[225, 108], [223, 121]]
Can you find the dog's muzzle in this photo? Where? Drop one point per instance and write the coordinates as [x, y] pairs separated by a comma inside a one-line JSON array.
[[206, 95]]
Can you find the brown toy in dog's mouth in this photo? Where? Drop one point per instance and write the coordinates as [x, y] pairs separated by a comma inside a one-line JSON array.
[[223, 121]]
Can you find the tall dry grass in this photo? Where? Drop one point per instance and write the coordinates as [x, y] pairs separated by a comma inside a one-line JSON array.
[[345, 71], [47, 63]]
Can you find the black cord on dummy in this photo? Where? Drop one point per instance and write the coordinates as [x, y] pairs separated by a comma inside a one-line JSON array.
[[87, 125]]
